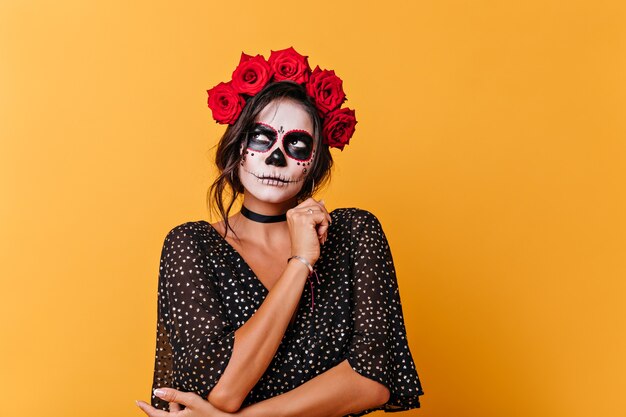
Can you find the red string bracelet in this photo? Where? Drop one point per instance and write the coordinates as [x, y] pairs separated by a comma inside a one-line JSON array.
[[311, 272]]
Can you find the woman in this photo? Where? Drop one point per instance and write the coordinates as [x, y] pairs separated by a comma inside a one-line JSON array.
[[297, 311]]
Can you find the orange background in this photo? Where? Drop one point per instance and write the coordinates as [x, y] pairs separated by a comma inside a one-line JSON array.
[[490, 144]]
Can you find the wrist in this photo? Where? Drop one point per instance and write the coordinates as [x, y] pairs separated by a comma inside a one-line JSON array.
[[302, 261]]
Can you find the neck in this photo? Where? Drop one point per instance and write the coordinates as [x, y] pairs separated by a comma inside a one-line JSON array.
[[262, 218], [267, 209], [264, 232]]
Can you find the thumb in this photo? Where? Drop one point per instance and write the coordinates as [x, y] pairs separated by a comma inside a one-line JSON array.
[[173, 396]]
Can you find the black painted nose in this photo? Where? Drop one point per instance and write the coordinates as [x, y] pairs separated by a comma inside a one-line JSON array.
[[276, 158]]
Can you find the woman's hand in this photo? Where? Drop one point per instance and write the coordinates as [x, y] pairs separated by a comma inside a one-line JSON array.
[[308, 227], [195, 405]]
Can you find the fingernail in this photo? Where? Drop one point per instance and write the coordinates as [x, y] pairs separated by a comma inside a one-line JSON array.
[[322, 202], [137, 403], [159, 392]]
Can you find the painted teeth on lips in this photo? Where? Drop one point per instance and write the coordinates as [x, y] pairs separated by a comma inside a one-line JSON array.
[[270, 177]]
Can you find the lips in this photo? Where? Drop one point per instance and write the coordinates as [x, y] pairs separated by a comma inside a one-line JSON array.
[[271, 177]]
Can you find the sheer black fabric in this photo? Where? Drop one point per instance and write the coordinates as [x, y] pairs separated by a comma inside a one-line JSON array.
[[207, 291]]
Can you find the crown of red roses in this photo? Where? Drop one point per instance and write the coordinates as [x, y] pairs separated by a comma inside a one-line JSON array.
[[227, 100]]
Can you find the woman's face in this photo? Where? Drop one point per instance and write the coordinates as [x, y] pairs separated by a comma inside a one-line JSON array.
[[278, 152]]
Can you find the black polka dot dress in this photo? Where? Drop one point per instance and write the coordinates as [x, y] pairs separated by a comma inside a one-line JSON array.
[[206, 291]]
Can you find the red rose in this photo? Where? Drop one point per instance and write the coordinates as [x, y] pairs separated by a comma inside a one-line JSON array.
[[287, 64], [225, 103], [251, 74], [326, 89], [338, 127]]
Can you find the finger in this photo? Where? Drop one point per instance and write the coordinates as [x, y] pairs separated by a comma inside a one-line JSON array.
[[323, 205], [313, 212], [311, 201], [317, 207], [323, 228], [150, 410], [174, 407], [174, 396], [313, 216], [321, 223]]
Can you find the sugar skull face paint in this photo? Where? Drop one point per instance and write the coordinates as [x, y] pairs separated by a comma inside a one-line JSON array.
[[297, 143], [277, 152]]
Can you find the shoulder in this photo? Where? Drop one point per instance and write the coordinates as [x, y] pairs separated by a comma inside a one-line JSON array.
[[354, 216], [190, 231], [359, 225]]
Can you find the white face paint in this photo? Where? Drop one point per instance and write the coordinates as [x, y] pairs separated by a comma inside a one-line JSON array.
[[278, 152]]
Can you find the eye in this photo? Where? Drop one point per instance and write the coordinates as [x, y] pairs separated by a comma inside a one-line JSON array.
[[260, 138], [297, 143]]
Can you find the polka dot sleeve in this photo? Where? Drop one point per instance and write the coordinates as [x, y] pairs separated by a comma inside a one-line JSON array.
[[378, 349], [194, 336]]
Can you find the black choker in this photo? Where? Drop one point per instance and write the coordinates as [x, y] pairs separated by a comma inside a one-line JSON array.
[[262, 218]]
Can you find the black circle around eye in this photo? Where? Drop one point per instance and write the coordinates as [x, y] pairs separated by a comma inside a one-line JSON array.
[[261, 139], [298, 145]]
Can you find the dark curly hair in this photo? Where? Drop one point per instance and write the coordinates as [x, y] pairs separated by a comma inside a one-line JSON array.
[[227, 156]]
